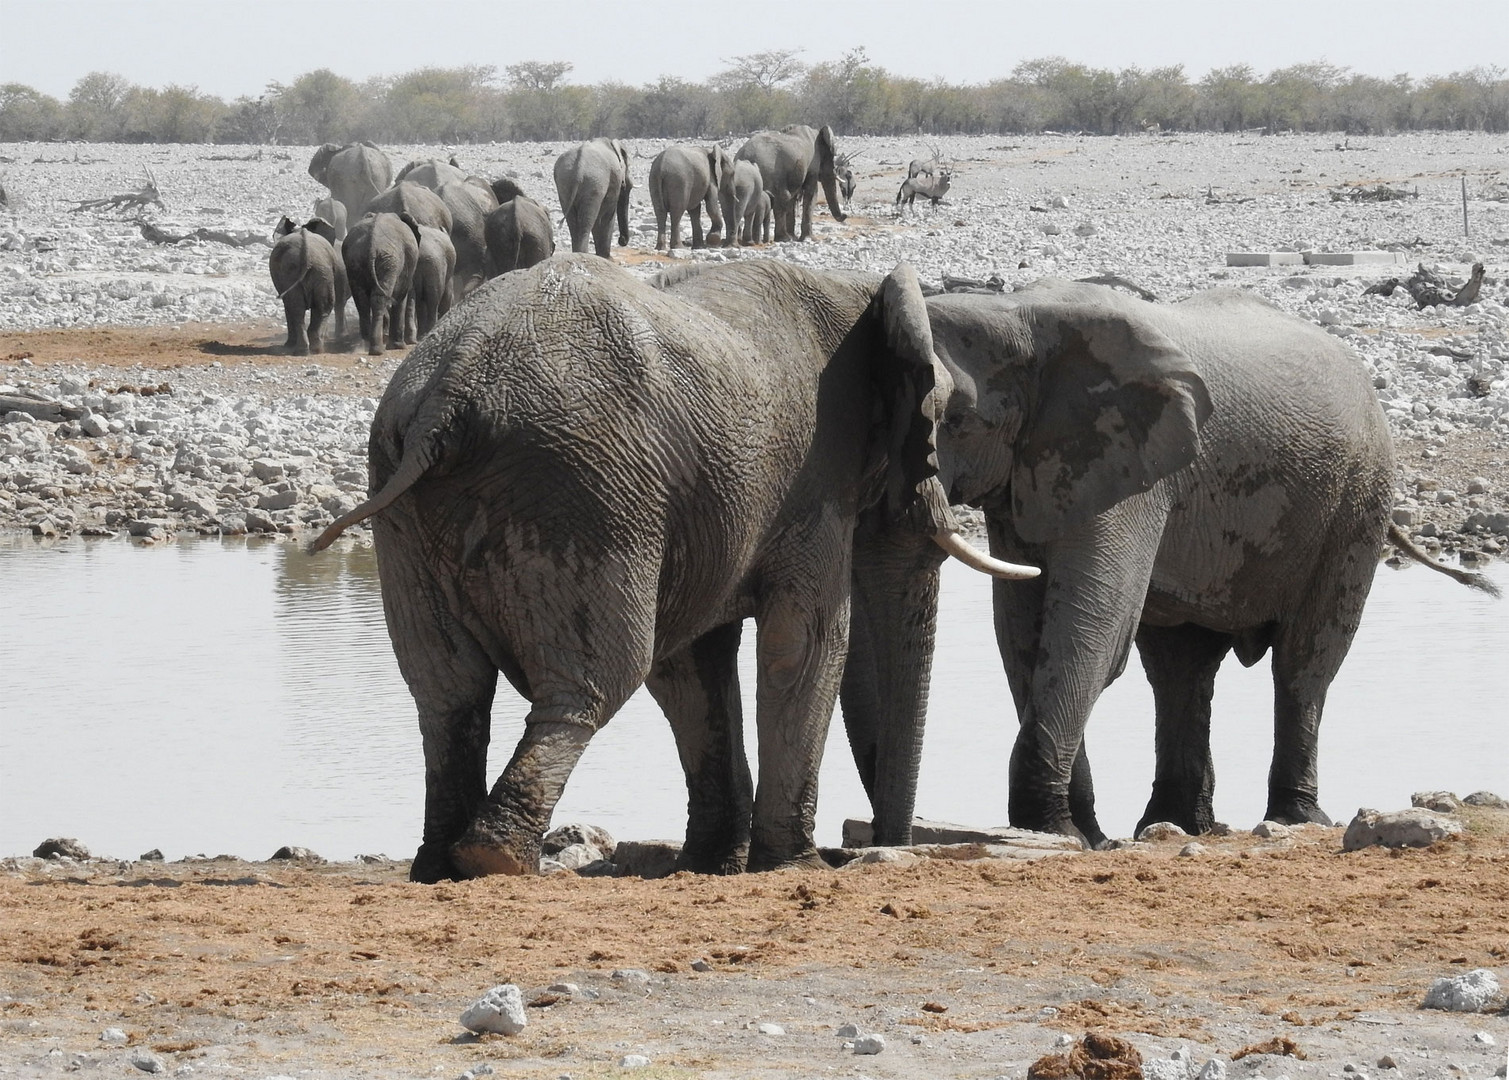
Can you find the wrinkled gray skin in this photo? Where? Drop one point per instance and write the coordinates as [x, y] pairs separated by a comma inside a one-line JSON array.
[[682, 180], [758, 219], [309, 276], [792, 163], [738, 188], [381, 252], [355, 174], [432, 173], [430, 296], [518, 235], [592, 182], [333, 211], [587, 483], [469, 202], [1205, 477], [419, 202]]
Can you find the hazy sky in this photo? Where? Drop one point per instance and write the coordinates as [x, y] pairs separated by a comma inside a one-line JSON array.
[[235, 47]]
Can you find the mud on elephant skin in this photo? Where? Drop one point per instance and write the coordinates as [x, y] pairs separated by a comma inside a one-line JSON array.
[[527, 522], [1206, 477]]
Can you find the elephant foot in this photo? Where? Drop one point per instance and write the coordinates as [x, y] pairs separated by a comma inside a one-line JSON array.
[[433, 863], [476, 859], [1288, 807], [806, 860], [1047, 812], [719, 859], [1173, 803]]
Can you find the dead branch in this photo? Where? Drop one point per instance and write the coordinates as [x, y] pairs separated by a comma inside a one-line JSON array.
[[1212, 199], [1117, 281], [1378, 193], [1429, 289], [992, 284], [51, 411], [161, 236], [147, 195]]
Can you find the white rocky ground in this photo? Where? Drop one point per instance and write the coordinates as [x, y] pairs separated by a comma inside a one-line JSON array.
[[283, 447]]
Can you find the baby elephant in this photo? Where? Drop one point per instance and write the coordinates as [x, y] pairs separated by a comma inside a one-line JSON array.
[[433, 290], [381, 252], [758, 219], [310, 277]]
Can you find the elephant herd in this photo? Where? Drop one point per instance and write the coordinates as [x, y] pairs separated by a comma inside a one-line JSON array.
[[586, 483], [405, 248]]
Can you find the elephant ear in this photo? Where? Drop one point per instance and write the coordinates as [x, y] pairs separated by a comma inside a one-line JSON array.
[[826, 147], [623, 155], [320, 227], [319, 165], [907, 381], [285, 226], [1118, 408], [408, 219]]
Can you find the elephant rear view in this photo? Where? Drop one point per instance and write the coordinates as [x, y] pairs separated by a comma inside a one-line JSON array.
[[381, 252], [355, 174], [587, 483], [518, 235], [420, 203], [469, 202], [309, 275], [792, 163], [682, 179], [592, 182]]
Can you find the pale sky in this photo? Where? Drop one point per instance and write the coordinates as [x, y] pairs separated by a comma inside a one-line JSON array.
[[235, 47]]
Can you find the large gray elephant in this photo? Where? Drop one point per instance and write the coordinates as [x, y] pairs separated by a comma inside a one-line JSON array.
[[432, 172], [332, 210], [682, 180], [592, 182], [381, 252], [310, 277], [588, 483], [355, 174], [432, 292], [469, 201], [792, 163], [1205, 477], [419, 202], [518, 235], [739, 189]]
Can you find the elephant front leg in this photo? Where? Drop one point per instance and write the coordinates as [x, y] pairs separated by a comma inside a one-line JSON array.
[[800, 653], [1181, 664], [698, 689]]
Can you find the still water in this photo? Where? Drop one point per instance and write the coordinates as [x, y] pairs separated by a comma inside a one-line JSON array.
[[237, 696]]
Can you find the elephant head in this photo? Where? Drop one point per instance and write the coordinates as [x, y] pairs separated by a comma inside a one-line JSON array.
[[319, 165], [505, 188], [1064, 403]]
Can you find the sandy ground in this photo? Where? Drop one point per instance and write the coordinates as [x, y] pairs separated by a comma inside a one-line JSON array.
[[968, 969]]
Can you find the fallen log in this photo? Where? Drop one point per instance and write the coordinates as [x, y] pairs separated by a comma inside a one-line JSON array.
[[1429, 289], [52, 411], [161, 236]]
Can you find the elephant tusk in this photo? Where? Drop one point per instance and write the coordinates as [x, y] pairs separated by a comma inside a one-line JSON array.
[[971, 556]]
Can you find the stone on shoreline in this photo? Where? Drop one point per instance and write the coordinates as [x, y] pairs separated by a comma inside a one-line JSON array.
[[60, 847], [1402, 828], [1486, 798], [1442, 802], [1161, 830], [646, 858], [501, 1009], [294, 853]]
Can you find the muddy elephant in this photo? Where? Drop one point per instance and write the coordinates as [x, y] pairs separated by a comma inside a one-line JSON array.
[[381, 252], [432, 293], [792, 163], [416, 200], [518, 234], [587, 483], [355, 174], [592, 182], [1204, 477], [682, 180], [310, 277]]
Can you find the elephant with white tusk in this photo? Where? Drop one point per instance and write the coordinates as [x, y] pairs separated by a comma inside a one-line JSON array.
[[588, 483]]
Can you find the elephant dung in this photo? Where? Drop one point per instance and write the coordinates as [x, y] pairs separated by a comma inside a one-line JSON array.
[[1095, 1057], [1403, 828]]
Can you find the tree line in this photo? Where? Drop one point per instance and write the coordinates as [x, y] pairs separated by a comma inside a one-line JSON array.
[[536, 101]]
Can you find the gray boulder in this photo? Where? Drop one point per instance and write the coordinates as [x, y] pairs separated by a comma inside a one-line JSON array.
[[1486, 798], [293, 853], [564, 836], [1403, 828], [1462, 993], [1161, 830], [501, 1009], [61, 847], [1442, 802]]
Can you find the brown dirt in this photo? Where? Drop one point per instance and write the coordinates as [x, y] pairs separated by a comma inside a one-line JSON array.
[[351, 970]]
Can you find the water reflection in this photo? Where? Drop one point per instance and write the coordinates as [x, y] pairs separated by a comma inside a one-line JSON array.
[[235, 696]]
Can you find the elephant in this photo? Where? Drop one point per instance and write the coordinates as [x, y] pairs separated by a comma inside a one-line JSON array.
[[757, 223], [587, 482], [419, 202], [309, 275], [792, 163], [739, 188], [431, 173], [505, 188], [682, 179], [381, 252], [592, 180], [1206, 477], [355, 174], [518, 235], [431, 294], [469, 202], [333, 211]]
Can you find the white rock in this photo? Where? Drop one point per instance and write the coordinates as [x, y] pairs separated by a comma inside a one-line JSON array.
[[1403, 828], [847, 1031], [771, 1029], [114, 1035], [1482, 1038], [1271, 830], [501, 1009], [1166, 1069], [1462, 993], [1161, 830], [633, 1061], [1215, 1069], [869, 1044], [1192, 849]]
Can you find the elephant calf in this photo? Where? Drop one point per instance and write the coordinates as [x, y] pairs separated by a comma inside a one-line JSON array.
[[310, 276], [381, 252]]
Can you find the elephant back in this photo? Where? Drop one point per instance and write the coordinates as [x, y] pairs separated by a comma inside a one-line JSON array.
[[420, 203]]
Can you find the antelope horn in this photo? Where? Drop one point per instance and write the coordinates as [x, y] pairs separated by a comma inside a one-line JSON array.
[[970, 556]]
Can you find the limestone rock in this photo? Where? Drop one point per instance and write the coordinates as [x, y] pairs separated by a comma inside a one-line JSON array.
[[1161, 830], [869, 1044], [1271, 830], [501, 1009], [770, 1029], [1486, 798], [857, 833], [1469, 992], [1442, 802], [293, 853], [633, 1061], [1402, 828], [1192, 849]]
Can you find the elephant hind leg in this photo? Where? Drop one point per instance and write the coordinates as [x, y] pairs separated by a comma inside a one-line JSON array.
[[698, 689], [1181, 664]]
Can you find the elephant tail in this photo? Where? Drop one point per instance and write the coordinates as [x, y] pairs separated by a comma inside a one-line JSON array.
[[1400, 539], [413, 466], [304, 245]]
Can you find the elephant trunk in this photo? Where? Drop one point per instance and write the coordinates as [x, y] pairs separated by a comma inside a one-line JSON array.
[[892, 620], [623, 214], [830, 191]]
